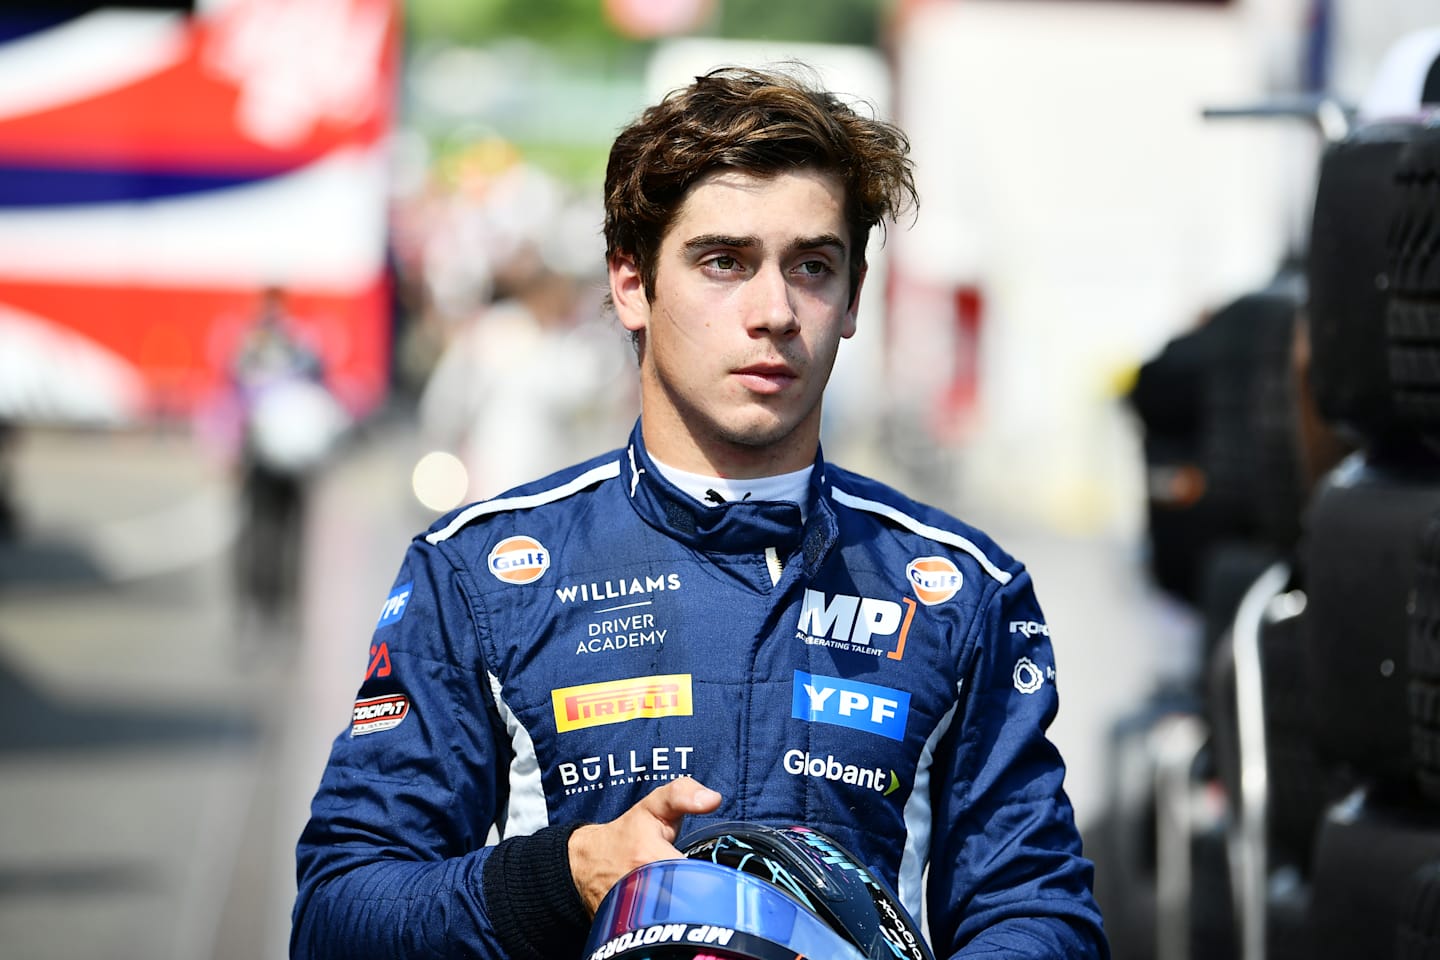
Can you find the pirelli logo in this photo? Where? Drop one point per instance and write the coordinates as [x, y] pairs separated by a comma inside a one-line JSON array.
[[615, 701]]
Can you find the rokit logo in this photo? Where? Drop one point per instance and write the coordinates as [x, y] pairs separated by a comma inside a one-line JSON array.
[[655, 765], [856, 623], [849, 703], [615, 701]]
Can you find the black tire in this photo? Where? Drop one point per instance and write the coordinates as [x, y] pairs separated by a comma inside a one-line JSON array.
[[1361, 557], [1220, 411], [1355, 204], [1213, 930], [1302, 784], [1366, 854], [1418, 934], [1229, 571], [1423, 652], [1413, 253], [1181, 522], [1251, 444], [1287, 920]]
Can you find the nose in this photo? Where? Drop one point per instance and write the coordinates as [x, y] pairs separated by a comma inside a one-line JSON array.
[[772, 310]]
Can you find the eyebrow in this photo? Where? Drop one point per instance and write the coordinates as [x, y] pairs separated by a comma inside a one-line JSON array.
[[706, 240]]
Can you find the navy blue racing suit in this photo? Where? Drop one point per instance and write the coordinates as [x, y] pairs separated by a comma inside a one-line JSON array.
[[882, 673]]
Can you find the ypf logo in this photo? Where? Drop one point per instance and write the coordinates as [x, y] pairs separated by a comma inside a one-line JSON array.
[[850, 703], [934, 579], [394, 607], [519, 560]]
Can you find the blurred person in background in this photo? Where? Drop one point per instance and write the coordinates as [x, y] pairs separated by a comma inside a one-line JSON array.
[[289, 424], [519, 390], [711, 622]]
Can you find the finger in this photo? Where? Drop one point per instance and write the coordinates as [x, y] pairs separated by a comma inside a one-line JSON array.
[[670, 804], [675, 799]]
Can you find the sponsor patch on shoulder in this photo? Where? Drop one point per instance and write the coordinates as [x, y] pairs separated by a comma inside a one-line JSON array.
[[374, 714], [934, 579], [1028, 675], [394, 607], [519, 560]]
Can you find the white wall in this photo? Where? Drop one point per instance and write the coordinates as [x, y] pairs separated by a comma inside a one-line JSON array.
[[1065, 165]]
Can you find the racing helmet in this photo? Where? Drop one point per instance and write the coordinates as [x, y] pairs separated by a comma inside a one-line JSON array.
[[697, 910], [747, 891], [824, 876]]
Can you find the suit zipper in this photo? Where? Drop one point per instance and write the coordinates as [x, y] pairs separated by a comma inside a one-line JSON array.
[[773, 564]]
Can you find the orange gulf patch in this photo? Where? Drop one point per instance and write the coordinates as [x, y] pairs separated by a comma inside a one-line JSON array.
[[519, 560], [934, 579]]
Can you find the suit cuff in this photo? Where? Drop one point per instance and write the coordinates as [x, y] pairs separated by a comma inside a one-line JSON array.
[[530, 895]]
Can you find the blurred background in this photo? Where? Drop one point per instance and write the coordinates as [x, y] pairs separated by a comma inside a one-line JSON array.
[[282, 280]]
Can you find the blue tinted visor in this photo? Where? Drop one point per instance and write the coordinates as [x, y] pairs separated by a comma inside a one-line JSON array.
[[692, 908]]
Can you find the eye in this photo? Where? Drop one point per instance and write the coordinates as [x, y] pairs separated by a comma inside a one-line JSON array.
[[724, 262], [814, 268]]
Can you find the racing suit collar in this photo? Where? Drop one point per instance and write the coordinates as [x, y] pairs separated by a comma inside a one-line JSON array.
[[742, 527]]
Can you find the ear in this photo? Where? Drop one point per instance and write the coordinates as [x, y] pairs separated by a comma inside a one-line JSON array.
[[627, 292], [847, 327]]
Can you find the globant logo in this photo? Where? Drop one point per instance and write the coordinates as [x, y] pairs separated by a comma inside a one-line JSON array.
[[800, 763]]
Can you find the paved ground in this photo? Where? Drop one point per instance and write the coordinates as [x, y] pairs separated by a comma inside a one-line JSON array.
[[159, 750]]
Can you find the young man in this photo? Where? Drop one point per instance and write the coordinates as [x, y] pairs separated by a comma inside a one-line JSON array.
[[711, 622]]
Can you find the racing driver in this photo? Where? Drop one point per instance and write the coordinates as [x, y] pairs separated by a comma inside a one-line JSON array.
[[712, 622]]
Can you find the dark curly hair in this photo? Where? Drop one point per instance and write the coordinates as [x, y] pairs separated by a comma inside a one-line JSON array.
[[760, 122]]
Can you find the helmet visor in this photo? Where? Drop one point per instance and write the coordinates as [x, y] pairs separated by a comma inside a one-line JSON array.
[[693, 909]]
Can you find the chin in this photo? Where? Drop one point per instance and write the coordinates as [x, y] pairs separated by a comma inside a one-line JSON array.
[[758, 432]]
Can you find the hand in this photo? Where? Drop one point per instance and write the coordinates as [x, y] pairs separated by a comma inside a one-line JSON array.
[[602, 853]]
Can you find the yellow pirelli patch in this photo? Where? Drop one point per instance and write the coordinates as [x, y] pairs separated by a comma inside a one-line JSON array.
[[615, 701]]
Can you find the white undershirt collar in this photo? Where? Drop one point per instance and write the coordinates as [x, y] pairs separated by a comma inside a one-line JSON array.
[[794, 487]]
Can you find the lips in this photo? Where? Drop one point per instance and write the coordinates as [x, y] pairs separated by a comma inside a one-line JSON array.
[[766, 377]]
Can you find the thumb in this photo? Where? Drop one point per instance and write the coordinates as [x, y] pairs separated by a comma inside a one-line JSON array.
[[675, 799], [692, 796]]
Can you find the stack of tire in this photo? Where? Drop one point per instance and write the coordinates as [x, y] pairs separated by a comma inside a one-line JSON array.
[[1300, 425], [1228, 478], [1223, 473], [1369, 651]]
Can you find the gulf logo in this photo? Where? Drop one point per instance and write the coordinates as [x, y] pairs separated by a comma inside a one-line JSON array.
[[934, 579], [519, 560]]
